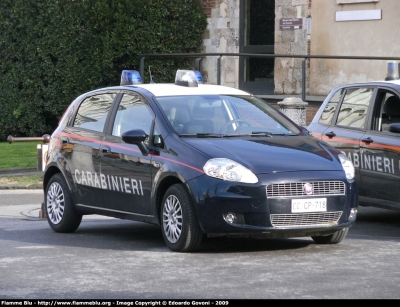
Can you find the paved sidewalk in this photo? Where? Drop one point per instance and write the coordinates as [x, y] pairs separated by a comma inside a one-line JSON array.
[[21, 203], [30, 210]]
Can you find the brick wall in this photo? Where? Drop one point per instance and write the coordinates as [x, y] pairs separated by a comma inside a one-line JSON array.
[[208, 5], [310, 112]]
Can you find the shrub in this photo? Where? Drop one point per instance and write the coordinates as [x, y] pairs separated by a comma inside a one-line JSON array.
[[52, 51]]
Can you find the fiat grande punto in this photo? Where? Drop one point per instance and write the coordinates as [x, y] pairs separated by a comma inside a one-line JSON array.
[[198, 160]]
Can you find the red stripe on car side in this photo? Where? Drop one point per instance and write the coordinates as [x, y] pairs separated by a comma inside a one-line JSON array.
[[357, 142], [128, 149]]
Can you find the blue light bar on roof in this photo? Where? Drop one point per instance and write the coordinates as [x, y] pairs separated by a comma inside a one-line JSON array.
[[130, 77], [199, 76], [189, 78]]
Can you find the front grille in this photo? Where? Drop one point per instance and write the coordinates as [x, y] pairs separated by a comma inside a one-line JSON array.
[[294, 189], [305, 219]]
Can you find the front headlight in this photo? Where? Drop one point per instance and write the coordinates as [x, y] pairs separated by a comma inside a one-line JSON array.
[[348, 167], [229, 170]]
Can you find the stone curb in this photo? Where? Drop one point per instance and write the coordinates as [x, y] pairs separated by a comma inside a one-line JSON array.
[[20, 172], [21, 186], [10, 171]]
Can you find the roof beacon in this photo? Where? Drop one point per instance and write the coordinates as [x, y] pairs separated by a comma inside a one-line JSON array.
[[189, 78], [392, 70], [130, 77], [199, 77]]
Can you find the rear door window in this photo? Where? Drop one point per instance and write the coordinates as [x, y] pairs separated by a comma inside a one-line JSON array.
[[93, 111], [330, 108], [354, 108]]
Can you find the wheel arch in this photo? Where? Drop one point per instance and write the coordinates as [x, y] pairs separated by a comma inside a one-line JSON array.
[[162, 188], [50, 172]]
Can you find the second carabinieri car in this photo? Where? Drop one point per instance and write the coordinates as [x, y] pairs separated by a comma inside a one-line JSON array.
[[363, 121], [198, 160]]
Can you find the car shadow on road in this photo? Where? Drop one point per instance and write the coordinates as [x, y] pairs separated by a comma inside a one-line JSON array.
[[376, 224], [235, 245], [116, 234]]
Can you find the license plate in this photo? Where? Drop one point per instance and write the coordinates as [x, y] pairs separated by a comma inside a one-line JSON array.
[[309, 205]]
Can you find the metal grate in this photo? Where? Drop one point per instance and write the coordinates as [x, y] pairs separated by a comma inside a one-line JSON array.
[[293, 189], [305, 219]]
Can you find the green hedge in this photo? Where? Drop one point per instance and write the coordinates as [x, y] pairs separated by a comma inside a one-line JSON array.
[[52, 51]]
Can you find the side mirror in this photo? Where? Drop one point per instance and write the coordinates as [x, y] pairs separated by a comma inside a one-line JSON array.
[[395, 128], [136, 137]]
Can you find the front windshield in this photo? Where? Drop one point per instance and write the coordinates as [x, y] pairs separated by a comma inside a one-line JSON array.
[[224, 115]]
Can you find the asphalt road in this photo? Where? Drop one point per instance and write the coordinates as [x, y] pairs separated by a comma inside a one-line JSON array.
[[113, 259]]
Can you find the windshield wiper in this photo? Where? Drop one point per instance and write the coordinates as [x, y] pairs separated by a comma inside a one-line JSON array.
[[215, 135], [203, 135], [261, 132], [271, 133]]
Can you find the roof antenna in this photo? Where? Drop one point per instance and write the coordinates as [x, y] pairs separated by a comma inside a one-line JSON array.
[[151, 78]]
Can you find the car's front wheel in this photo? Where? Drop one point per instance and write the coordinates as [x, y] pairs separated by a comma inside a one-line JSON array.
[[334, 238], [179, 225], [61, 214]]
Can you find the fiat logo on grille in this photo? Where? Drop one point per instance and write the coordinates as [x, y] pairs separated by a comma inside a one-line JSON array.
[[308, 188]]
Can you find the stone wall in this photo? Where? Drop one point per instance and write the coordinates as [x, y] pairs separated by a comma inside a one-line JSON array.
[[222, 35], [288, 71]]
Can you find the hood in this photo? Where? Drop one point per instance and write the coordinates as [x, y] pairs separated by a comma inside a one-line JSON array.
[[272, 154]]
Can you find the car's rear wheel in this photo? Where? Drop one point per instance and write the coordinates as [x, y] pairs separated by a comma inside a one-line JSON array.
[[179, 224], [334, 238], [61, 214]]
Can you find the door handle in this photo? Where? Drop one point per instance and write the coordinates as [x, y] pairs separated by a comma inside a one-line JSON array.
[[64, 140], [367, 140], [105, 150], [330, 134]]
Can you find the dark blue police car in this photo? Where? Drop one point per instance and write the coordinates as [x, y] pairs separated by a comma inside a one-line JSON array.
[[198, 160], [363, 121]]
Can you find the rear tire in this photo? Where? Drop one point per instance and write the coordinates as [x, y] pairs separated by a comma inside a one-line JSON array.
[[61, 214], [179, 225], [334, 238]]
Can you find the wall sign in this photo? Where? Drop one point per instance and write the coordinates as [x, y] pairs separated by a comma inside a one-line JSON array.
[[290, 23], [358, 15], [354, 1]]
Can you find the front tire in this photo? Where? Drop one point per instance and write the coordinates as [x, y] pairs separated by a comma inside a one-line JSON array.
[[179, 224], [334, 238], [61, 214]]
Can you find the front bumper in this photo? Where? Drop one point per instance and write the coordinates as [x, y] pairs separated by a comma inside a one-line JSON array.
[[258, 214]]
